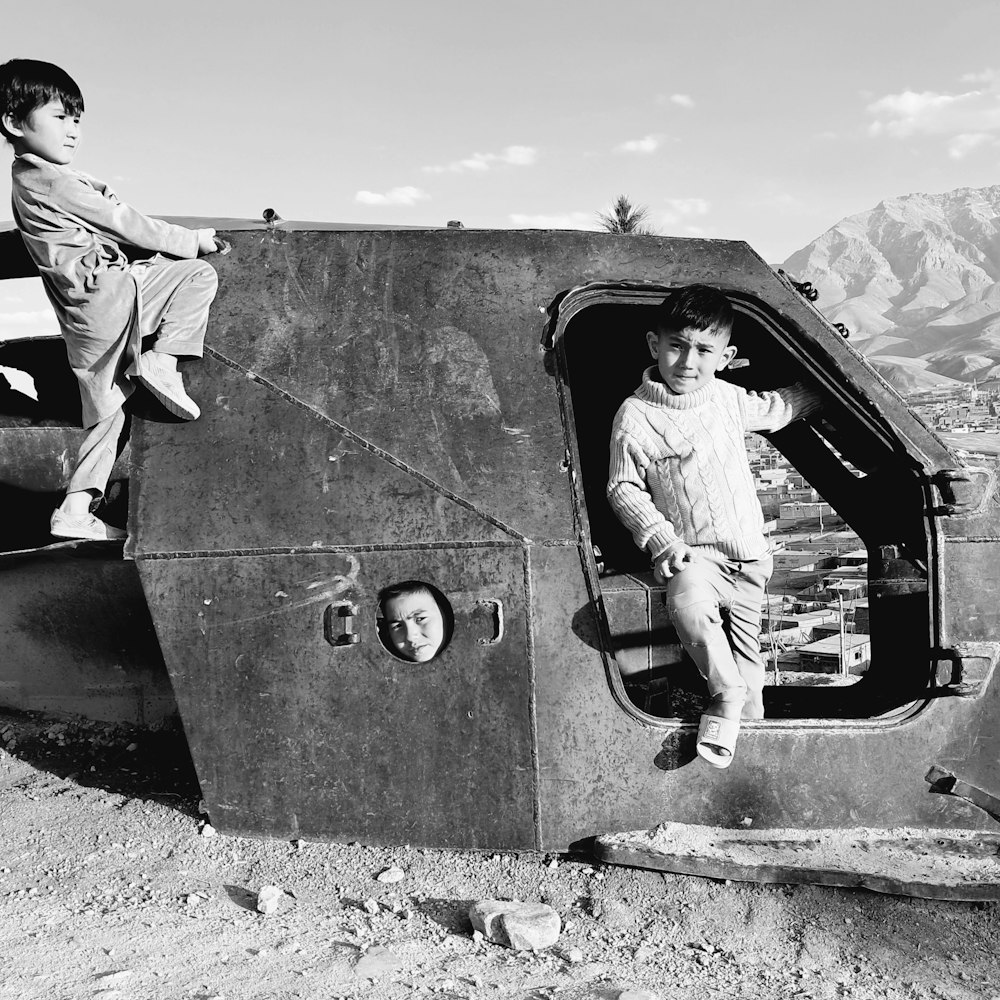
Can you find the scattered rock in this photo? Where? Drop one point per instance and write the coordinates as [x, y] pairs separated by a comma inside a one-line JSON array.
[[370, 906], [521, 926], [268, 898], [391, 876], [612, 913], [113, 978], [377, 961], [637, 995], [533, 928], [575, 956], [207, 830]]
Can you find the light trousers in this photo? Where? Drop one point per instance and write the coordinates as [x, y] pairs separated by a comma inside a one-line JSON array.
[[174, 300], [715, 607]]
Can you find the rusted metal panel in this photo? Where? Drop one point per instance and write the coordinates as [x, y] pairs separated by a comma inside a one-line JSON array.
[[293, 736], [261, 471], [76, 636], [376, 408], [422, 345]]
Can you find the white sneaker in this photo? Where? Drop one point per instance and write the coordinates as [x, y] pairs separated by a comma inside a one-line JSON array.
[[86, 526], [167, 386]]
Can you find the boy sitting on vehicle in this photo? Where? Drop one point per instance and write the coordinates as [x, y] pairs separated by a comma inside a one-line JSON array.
[[680, 481], [73, 227]]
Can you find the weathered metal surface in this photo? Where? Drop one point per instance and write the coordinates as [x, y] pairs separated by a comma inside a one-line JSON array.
[[376, 407], [75, 632], [293, 736], [604, 766], [283, 475], [946, 783], [76, 636], [937, 865]]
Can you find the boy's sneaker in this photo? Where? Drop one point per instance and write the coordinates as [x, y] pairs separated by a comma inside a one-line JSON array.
[[167, 386], [85, 526]]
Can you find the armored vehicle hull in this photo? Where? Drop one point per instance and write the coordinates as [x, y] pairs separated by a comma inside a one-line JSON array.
[[390, 405]]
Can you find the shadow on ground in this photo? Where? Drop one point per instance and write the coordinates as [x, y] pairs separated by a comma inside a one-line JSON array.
[[139, 763]]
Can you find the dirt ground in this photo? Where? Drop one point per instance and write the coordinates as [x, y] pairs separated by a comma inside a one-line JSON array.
[[109, 889]]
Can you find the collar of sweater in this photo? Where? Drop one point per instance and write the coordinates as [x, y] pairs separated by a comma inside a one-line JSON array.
[[655, 392], [26, 160]]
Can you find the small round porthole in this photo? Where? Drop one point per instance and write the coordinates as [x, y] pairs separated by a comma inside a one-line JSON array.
[[415, 620]]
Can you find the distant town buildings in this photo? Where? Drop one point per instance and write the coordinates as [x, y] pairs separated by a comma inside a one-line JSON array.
[[815, 626], [969, 410]]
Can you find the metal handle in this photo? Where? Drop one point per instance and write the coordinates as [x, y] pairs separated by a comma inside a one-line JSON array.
[[338, 624], [497, 608]]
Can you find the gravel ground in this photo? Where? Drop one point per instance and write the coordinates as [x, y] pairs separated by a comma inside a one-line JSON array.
[[109, 888]]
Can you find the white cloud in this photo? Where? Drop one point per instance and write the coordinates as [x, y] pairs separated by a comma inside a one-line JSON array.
[[396, 196], [27, 323], [929, 113], [519, 156], [986, 76], [679, 209], [647, 144], [568, 220], [961, 145], [679, 100], [514, 156]]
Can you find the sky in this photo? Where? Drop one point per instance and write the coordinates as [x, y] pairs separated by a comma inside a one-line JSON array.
[[761, 120]]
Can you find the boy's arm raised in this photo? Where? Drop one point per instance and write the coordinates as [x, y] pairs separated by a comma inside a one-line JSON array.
[[100, 209], [776, 408]]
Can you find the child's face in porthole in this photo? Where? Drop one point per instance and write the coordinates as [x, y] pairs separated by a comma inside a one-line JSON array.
[[414, 625]]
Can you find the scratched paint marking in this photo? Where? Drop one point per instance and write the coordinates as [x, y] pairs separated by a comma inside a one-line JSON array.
[[320, 591]]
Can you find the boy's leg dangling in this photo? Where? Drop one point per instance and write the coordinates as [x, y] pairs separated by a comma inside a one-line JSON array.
[[693, 604]]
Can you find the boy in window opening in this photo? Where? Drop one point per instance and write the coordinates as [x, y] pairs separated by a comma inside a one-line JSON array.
[[413, 620], [680, 481], [73, 226]]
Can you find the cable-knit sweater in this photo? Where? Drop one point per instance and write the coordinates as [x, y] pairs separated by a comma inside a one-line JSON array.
[[679, 468]]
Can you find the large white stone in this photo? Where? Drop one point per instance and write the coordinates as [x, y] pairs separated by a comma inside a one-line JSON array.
[[521, 926]]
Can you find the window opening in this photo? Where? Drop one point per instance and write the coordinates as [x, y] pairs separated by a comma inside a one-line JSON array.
[[846, 617]]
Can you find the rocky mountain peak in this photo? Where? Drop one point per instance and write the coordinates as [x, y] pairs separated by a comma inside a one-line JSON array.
[[916, 280]]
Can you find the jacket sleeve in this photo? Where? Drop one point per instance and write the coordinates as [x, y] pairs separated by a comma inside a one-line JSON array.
[[776, 408], [100, 210], [629, 495]]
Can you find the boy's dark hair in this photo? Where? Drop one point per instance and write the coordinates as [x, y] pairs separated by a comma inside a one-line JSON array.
[[698, 307], [27, 84], [404, 589]]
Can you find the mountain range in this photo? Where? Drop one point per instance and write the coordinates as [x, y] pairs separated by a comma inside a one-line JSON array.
[[916, 280]]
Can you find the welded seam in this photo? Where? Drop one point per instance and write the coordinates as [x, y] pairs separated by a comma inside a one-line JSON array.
[[367, 445], [302, 550], [529, 626]]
